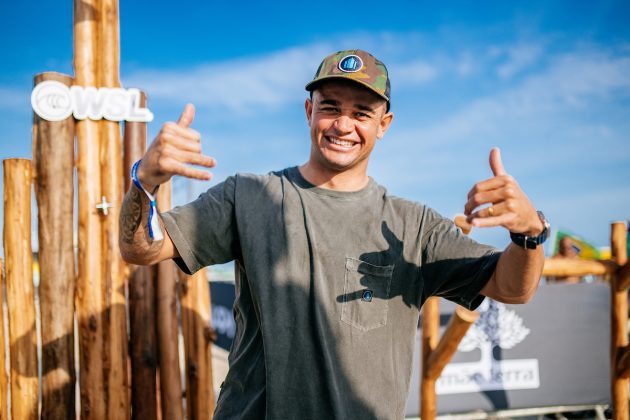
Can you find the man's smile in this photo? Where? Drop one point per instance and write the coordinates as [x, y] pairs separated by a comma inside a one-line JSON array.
[[345, 144]]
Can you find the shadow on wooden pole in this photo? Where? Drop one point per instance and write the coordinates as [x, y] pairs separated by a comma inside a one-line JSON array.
[[53, 161], [93, 353], [619, 325], [4, 414], [167, 327], [198, 338], [111, 188], [20, 290], [142, 313]]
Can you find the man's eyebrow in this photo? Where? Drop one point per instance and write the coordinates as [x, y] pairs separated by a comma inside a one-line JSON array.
[[364, 107], [328, 102]]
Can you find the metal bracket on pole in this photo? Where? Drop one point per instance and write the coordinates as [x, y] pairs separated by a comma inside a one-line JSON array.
[[103, 206]]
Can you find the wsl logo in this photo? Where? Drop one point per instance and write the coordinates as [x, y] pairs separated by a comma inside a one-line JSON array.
[[54, 101], [350, 64]]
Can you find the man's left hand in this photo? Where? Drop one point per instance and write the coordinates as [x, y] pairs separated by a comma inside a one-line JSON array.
[[509, 206]]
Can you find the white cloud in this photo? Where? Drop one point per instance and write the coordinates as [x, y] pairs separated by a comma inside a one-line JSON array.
[[271, 80], [413, 73], [571, 80], [519, 57]]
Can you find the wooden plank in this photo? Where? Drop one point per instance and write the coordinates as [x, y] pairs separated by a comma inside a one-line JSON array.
[[619, 325], [430, 336], [455, 331], [4, 379], [198, 337], [142, 312], [53, 154], [20, 289], [114, 280], [167, 327], [561, 267], [89, 292]]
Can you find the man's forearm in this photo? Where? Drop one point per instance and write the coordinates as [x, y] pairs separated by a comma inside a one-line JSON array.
[[135, 244], [517, 275]]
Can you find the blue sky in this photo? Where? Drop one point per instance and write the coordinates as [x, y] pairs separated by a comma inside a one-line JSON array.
[[546, 81]]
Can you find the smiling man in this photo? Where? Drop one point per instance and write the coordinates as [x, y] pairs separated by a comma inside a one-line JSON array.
[[331, 270]]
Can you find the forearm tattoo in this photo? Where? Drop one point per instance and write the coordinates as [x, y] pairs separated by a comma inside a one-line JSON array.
[[130, 215]]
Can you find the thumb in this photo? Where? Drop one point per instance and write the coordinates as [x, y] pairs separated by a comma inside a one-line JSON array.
[[187, 117], [495, 162]]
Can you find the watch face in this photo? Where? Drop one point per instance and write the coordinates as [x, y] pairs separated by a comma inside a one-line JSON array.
[[544, 220]]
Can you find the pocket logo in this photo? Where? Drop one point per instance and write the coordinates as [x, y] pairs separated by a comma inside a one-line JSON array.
[[367, 296]]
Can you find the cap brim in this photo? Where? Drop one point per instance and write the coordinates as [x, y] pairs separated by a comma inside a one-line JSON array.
[[313, 84]]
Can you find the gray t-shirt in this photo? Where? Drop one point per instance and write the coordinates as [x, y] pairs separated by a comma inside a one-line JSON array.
[[328, 291]]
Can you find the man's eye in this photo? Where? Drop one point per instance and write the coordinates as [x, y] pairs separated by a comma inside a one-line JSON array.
[[328, 109], [362, 115]]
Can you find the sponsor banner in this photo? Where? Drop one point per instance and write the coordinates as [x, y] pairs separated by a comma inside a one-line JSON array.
[[551, 351], [222, 295]]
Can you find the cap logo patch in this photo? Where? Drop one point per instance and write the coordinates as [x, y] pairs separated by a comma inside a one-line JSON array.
[[350, 64]]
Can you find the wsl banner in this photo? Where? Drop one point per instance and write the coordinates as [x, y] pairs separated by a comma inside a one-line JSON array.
[[54, 101]]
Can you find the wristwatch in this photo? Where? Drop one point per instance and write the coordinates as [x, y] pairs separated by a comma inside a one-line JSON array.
[[531, 242]]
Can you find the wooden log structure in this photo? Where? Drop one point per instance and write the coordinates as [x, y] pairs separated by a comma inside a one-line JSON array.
[[142, 312], [4, 391], [455, 331], [560, 267], [114, 280], [198, 338], [93, 354], [436, 351], [619, 325], [53, 161], [167, 327], [430, 336], [20, 289]]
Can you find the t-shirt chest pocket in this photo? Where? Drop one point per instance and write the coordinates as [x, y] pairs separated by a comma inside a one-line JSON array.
[[365, 298]]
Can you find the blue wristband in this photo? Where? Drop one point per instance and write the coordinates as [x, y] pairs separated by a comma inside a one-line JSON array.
[[155, 233]]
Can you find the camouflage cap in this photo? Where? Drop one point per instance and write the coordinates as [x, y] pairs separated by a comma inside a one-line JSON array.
[[356, 65]]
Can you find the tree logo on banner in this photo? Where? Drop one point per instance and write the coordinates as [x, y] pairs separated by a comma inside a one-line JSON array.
[[497, 328]]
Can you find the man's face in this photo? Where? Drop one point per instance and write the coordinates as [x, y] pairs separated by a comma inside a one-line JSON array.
[[345, 121]]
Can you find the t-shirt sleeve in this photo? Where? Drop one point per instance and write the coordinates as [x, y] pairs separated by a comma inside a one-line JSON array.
[[204, 230], [454, 266]]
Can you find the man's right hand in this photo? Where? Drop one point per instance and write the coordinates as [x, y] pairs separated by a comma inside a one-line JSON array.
[[174, 149]]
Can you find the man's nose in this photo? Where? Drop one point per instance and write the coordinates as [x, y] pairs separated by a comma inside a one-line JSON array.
[[343, 124]]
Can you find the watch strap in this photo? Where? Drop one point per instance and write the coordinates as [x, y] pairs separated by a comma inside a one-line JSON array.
[[532, 242]]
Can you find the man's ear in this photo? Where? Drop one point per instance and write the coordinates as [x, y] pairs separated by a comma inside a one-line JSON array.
[[308, 107], [383, 125]]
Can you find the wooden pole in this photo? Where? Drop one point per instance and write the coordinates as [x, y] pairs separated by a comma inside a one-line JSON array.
[[198, 338], [142, 312], [167, 328], [4, 414], [457, 327], [135, 143], [53, 155], [619, 326], [89, 293], [20, 290], [430, 335], [111, 186], [560, 267]]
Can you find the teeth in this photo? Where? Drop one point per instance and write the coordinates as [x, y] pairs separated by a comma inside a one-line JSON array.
[[340, 142]]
